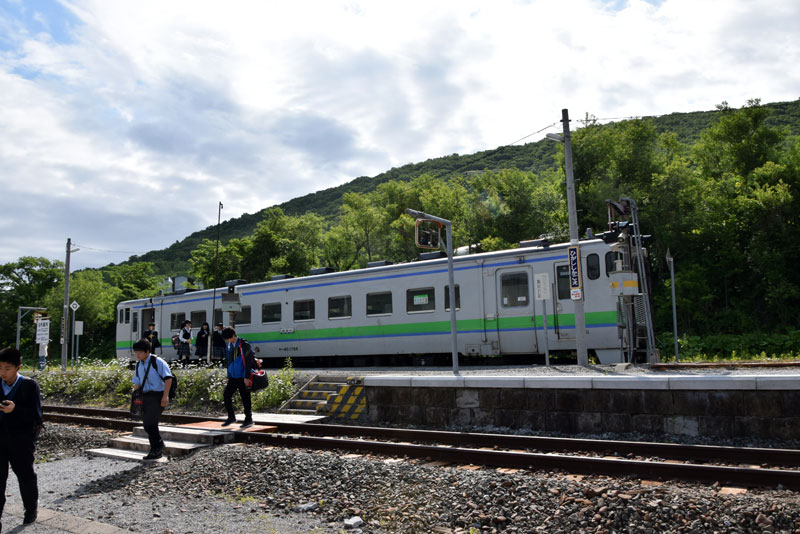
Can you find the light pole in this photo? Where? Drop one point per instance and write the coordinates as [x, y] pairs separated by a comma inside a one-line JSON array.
[[451, 278], [574, 241], [214, 297], [65, 310], [671, 265]]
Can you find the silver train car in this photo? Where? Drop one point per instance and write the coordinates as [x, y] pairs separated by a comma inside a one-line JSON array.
[[404, 309]]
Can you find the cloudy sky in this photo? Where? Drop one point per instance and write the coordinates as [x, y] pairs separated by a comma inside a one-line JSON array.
[[124, 123]]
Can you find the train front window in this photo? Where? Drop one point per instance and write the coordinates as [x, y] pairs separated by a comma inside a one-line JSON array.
[[271, 313], [339, 307], [593, 266], [121, 316], [135, 325], [515, 291], [562, 282], [127, 315], [303, 310], [379, 303], [420, 300]]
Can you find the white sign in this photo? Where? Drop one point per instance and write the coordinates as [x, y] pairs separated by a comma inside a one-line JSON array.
[[576, 294], [43, 330], [74, 305], [542, 283], [78, 328]]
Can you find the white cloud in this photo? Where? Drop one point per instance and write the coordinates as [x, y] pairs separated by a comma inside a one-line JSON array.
[[122, 124]]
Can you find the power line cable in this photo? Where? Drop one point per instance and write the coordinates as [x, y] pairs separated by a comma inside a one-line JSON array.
[[105, 250]]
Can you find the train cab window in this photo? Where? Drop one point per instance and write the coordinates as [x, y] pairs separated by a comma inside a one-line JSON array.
[[176, 320], [242, 317], [121, 316], [562, 282], [379, 303], [611, 265], [217, 316], [447, 298], [339, 307], [197, 318], [593, 266], [135, 325], [127, 315], [420, 300], [271, 313], [515, 290], [304, 310]]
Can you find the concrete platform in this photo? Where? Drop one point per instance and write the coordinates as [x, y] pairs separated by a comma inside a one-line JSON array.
[[126, 455], [53, 522], [171, 448]]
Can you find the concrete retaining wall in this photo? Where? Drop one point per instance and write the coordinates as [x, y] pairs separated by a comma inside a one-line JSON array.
[[716, 406]]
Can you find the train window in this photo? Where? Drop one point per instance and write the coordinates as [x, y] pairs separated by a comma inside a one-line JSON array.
[[379, 303], [339, 307], [127, 315], [593, 266], [217, 316], [135, 325], [271, 313], [514, 287], [242, 317], [198, 318], [304, 310], [562, 282], [176, 320], [121, 316], [447, 298], [420, 300], [611, 265]]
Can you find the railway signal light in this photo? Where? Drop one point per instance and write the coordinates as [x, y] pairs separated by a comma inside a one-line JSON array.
[[427, 234]]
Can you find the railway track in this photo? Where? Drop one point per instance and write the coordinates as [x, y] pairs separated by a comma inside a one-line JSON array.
[[742, 466]]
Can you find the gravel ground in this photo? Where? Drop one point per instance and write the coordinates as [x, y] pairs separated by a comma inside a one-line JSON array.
[[248, 488]]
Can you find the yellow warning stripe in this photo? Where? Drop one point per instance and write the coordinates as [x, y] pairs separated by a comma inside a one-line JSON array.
[[349, 400]]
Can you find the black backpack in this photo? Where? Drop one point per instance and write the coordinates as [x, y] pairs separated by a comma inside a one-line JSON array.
[[173, 387]]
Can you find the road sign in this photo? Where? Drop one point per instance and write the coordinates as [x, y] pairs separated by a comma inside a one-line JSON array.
[[78, 330], [542, 283], [74, 306], [43, 330], [575, 279]]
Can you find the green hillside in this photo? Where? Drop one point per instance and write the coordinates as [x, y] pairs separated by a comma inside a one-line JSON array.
[[535, 157]]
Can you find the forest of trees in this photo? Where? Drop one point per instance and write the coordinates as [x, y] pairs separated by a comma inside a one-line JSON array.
[[724, 201]]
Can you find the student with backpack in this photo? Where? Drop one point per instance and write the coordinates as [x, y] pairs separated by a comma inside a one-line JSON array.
[[153, 376], [240, 361]]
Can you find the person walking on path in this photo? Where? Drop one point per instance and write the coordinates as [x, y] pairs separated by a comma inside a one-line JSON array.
[[20, 424], [240, 360], [152, 374], [185, 343]]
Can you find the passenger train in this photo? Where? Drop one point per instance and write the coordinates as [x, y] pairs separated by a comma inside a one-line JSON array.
[[403, 309]]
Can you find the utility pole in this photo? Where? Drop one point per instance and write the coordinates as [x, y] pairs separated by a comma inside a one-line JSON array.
[[576, 282], [214, 293], [65, 310]]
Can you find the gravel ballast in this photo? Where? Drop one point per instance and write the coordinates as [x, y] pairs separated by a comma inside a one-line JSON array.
[[249, 488]]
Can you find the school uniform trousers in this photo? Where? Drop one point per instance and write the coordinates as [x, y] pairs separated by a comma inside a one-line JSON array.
[[18, 442]]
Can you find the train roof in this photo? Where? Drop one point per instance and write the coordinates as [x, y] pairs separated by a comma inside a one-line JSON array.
[[540, 248]]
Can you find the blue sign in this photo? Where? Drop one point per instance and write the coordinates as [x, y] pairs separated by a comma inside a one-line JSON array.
[[574, 267]]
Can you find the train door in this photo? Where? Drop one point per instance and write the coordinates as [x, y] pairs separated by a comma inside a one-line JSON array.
[[148, 316], [135, 334], [565, 317], [515, 311]]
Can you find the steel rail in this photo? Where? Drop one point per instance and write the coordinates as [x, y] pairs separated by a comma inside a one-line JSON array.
[[678, 451], [574, 464]]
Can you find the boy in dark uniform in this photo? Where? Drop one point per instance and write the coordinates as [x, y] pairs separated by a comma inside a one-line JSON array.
[[239, 359], [218, 344], [151, 335], [20, 423]]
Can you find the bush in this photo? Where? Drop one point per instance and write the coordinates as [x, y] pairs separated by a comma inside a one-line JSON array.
[[109, 384], [719, 347]]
